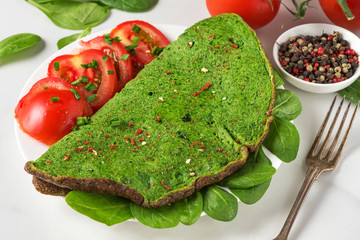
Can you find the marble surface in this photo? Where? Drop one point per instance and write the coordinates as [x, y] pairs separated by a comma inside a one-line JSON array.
[[331, 211]]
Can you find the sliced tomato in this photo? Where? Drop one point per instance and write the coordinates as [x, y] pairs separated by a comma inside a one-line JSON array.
[[50, 110], [91, 71], [142, 40], [114, 49]]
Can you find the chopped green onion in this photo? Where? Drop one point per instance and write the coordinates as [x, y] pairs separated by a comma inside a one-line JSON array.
[[105, 57], [154, 49], [136, 28], [83, 79], [94, 64], [131, 47], [135, 39], [132, 51], [76, 94], [55, 99], [124, 57], [57, 66], [158, 51], [82, 121], [110, 72], [45, 87], [109, 40], [90, 86], [91, 98]]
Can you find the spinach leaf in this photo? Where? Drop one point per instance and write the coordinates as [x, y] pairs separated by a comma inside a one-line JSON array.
[[72, 15], [352, 91], [258, 157], [102, 208], [283, 139], [219, 204], [253, 194], [162, 217], [130, 6], [189, 209], [251, 174], [18, 42], [69, 39], [287, 105], [277, 78]]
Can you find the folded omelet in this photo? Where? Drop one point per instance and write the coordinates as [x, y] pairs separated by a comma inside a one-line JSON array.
[[188, 120]]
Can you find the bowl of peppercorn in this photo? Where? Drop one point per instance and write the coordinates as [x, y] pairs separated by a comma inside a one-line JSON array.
[[317, 57]]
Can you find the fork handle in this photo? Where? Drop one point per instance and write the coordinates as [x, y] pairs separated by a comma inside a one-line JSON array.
[[311, 175]]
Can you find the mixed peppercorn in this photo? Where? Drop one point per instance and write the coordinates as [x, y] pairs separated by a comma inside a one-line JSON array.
[[327, 58]]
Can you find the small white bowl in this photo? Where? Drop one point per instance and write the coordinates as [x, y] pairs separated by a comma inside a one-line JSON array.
[[316, 29]]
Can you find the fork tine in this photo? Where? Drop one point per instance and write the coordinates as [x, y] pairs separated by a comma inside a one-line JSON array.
[[341, 147], [321, 152], [321, 130], [331, 149]]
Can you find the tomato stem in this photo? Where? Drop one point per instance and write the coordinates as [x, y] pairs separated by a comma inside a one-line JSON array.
[[344, 6]]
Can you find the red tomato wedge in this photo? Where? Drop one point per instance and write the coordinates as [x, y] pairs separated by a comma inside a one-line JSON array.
[[50, 110], [114, 49], [142, 40], [91, 71]]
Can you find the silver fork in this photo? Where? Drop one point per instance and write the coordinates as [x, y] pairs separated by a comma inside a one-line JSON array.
[[319, 161]]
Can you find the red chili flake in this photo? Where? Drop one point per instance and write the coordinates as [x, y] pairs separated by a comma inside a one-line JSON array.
[[140, 140], [138, 132], [264, 122], [66, 157], [185, 185], [130, 123], [219, 150], [192, 121], [89, 133], [217, 47], [238, 141], [210, 48], [132, 141], [107, 136], [126, 138], [197, 142], [113, 146], [167, 188], [234, 46], [78, 140], [206, 86], [90, 149], [49, 162], [86, 142], [199, 36], [169, 72], [138, 147], [162, 183], [133, 150], [196, 93]]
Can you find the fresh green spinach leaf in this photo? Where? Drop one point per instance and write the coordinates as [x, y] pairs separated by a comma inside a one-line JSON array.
[[102, 208], [69, 39], [283, 139], [162, 217], [72, 15], [258, 157], [130, 6], [287, 105], [219, 204], [352, 91], [253, 194], [18, 42], [189, 209], [277, 78], [251, 174]]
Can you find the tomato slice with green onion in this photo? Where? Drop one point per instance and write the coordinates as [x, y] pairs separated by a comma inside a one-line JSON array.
[[50, 110], [142, 40], [114, 49], [91, 71]]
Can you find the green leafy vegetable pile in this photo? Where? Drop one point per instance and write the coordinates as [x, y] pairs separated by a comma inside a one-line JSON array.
[[218, 201]]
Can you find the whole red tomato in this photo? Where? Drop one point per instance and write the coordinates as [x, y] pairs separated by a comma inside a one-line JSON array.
[[334, 12], [257, 13]]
